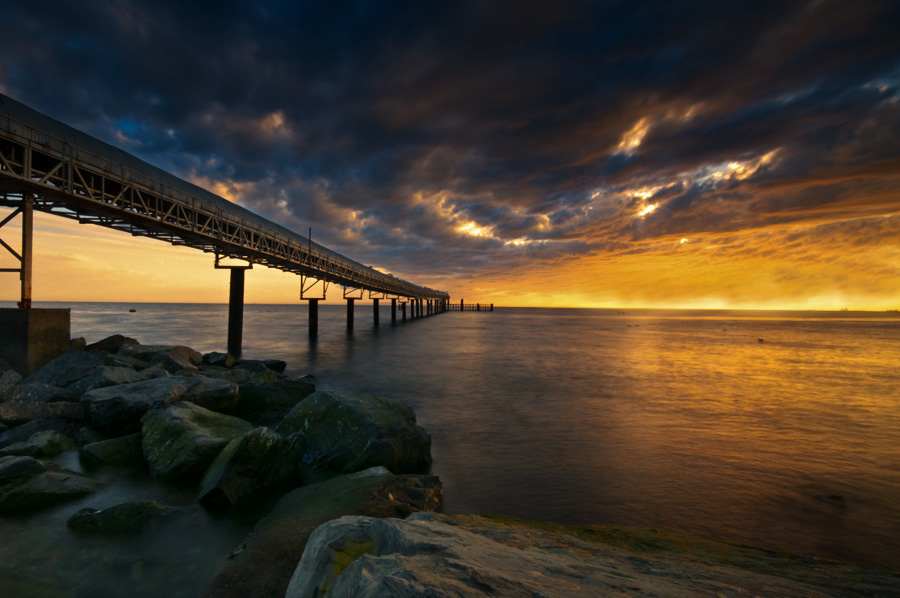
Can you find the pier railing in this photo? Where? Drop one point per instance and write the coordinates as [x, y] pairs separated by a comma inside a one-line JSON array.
[[470, 307]]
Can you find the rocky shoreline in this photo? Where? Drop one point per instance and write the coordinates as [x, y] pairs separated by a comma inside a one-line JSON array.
[[337, 487]]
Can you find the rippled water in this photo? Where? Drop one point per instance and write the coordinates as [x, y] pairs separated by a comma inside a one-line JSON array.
[[779, 430]]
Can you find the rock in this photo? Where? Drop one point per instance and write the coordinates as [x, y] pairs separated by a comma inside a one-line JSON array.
[[112, 344], [224, 360], [120, 361], [8, 379], [48, 443], [276, 365], [468, 557], [77, 344], [154, 371], [257, 365], [14, 467], [43, 490], [13, 414], [262, 565], [38, 392], [67, 370], [249, 466], [348, 433], [181, 441], [281, 394], [25, 431], [121, 519], [212, 393], [157, 353], [118, 409], [124, 450]]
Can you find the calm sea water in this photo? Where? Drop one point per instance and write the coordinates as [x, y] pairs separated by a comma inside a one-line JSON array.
[[775, 429]]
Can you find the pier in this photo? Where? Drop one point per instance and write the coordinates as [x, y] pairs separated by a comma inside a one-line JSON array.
[[51, 167]]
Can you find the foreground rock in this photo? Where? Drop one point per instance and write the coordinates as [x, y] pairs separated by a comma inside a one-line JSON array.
[[263, 564], [123, 451], [44, 489], [14, 414], [350, 433], [181, 441], [435, 555], [248, 467], [120, 519]]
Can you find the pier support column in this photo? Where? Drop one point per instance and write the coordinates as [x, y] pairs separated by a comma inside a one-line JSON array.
[[403, 310], [350, 314], [393, 310], [375, 310], [313, 318], [27, 245], [236, 311]]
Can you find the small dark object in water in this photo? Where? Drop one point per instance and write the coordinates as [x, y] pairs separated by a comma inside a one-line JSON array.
[[759, 340], [132, 310]]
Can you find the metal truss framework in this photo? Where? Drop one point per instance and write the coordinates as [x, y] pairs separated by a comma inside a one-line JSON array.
[[75, 183]]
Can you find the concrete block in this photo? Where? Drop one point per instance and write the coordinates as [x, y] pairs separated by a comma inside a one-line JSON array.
[[29, 338]]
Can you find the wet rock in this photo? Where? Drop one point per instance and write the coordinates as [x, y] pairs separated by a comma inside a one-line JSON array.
[[118, 409], [262, 565], [124, 451], [275, 366], [31, 493], [18, 466], [48, 443], [350, 433], [181, 441], [224, 360], [13, 414], [281, 394], [121, 519], [77, 344], [38, 392], [112, 344], [216, 394], [249, 466], [174, 358]]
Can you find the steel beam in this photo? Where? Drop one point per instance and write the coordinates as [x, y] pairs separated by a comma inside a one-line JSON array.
[[27, 250]]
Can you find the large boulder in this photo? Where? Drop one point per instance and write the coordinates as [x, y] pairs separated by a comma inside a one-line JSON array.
[[279, 395], [18, 466], [262, 565], [24, 431], [125, 518], [181, 441], [37, 392], [14, 414], [248, 467], [351, 433], [212, 393], [119, 409], [8, 379], [45, 489], [176, 359], [67, 370]]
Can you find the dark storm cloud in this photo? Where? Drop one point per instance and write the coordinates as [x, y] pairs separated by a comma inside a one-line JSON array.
[[388, 126]]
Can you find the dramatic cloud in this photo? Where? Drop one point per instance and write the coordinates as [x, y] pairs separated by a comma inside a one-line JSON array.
[[511, 141]]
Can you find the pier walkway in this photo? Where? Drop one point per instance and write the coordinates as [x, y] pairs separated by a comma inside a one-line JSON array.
[[48, 166]]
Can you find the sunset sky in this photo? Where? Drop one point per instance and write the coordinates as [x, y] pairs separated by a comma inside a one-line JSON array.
[[633, 154]]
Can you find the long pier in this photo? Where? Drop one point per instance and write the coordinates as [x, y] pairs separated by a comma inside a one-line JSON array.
[[51, 167]]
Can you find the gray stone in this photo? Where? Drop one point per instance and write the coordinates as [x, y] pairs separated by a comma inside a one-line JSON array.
[[25, 431], [150, 352], [281, 394], [181, 441], [120, 361], [8, 379], [349, 433], [13, 414], [118, 409], [262, 565], [77, 344], [48, 443], [16, 466], [154, 371], [111, 344], [67, 370], [45, 489], [212, 393], [125, 518], [224, 360], [38, 392], [124, 450], [249, 466]]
